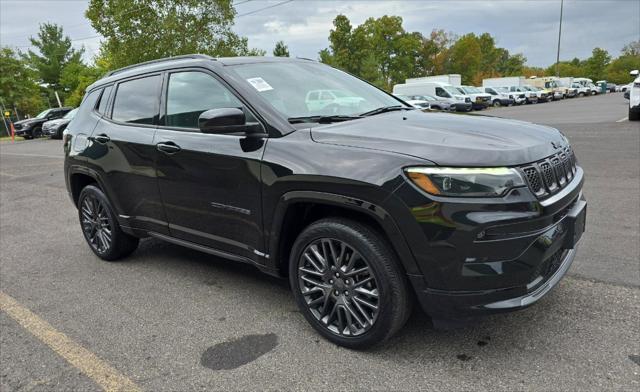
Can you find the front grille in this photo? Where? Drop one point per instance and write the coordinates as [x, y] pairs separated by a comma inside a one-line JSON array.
[[551, 174]]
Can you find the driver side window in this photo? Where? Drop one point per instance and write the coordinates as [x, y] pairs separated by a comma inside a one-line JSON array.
[[190, 93], [441, 93]]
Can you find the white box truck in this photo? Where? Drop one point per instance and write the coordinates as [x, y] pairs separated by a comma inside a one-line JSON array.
[[452, 79], [442, 91]]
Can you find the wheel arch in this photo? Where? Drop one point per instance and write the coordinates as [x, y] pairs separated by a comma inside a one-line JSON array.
[[297, 209]]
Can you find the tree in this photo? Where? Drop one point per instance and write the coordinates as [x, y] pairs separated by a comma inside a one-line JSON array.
[[618, 70], [466, 58], [281, 50], [18, 87], [596, 65], [142, 30], [54, 53], [631, 49]]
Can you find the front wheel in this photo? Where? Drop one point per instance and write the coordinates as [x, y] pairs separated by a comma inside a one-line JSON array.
[[497, 103], [348, 283], [634, 116], [100, 227]]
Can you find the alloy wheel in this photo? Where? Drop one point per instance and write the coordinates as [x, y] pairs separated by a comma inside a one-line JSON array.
[[339, 287], [95, 224]]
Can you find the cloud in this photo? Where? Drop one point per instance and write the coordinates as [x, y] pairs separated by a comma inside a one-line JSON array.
[[528, 27]]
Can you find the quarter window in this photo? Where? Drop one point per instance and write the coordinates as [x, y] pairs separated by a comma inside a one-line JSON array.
[[191, 93], [104, 99], [136, 100]]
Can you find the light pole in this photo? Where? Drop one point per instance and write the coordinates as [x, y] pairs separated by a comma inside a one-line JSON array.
[[559, 36]]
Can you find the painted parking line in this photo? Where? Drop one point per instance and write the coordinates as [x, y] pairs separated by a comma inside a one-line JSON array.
[[623, 119], [82, 359], [32, 155]]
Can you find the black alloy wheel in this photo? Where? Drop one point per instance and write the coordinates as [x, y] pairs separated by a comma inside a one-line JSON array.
[[36, 133], [95, 224], [348, 283], [339, 287], [100, 227]]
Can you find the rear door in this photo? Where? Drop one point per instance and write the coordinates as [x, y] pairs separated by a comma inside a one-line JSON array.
[[123, 153], [210, 184]]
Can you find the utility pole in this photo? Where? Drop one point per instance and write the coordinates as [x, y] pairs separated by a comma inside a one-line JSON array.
[[559, 36]]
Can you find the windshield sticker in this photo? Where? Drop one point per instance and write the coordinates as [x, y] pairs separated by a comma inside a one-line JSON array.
[[259, 84]]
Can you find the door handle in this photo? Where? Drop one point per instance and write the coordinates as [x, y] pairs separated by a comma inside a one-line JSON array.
[[102, 138], [168, 147]]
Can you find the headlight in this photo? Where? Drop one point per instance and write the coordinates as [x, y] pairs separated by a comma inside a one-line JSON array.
[[465, 182]]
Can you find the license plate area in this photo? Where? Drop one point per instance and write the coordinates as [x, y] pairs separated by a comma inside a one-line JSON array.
[[575, 224]]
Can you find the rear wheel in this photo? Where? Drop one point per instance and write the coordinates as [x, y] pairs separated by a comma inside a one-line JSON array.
[[100, 227], [634, 116], [348, 283], [497, 103]]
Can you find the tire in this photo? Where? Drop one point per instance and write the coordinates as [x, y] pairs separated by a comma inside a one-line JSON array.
[[36, 133], [344, 292], [497, 103], [634, 116], [97, 220]]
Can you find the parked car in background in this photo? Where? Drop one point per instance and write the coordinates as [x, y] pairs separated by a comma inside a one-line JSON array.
[[479, 99], [435, 103], [535, 94], [612, 87], [581, 89], [458, 101], [548, 83], [416, 103], [31, 128], [364, 211], [499, 96], [634, 97], [519, 94], [54, 128], [567, 85], [624, 87]]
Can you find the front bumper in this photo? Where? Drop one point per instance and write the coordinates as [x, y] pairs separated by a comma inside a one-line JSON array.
[[463, 106], [486, 256]]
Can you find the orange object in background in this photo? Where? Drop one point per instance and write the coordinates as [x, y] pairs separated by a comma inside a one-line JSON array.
[[13, 133]]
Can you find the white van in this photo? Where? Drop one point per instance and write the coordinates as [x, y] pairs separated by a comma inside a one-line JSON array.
[[441, 90]]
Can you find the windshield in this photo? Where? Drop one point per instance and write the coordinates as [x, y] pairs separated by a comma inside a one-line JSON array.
[[470, 90], [71, 114], [301, 89], [43, 114], [453, 90]]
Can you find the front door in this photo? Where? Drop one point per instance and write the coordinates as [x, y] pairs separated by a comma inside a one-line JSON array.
[[210, 184]]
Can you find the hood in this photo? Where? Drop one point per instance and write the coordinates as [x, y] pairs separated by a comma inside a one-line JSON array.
[[56, 122], [447, 139], [30, 120]]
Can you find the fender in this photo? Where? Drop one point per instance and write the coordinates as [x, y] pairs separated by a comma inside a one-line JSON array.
[[376, 212], [79, 169]]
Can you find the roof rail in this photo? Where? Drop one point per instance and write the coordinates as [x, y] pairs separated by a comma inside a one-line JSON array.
[[185, 56]]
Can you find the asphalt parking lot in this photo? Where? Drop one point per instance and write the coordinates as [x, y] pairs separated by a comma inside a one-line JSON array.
[[173, 319]]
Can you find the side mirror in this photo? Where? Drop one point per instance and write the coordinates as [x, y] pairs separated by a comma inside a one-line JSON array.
[[635, 72], [223, 120]]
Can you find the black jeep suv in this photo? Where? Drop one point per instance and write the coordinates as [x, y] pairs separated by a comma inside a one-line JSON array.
[[305, 171]]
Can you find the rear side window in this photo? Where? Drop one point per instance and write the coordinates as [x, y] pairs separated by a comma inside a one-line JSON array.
[[191, 93], [104, 99], [136, 100], [86, 107]]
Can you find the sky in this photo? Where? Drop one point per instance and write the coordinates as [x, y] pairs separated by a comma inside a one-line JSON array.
[[521, 26]]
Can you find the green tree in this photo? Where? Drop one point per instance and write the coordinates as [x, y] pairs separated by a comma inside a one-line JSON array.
[[466, 58], [54, 53], [618, 70], [596, 65], [18, 87], [142, 30], [281, 50]]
